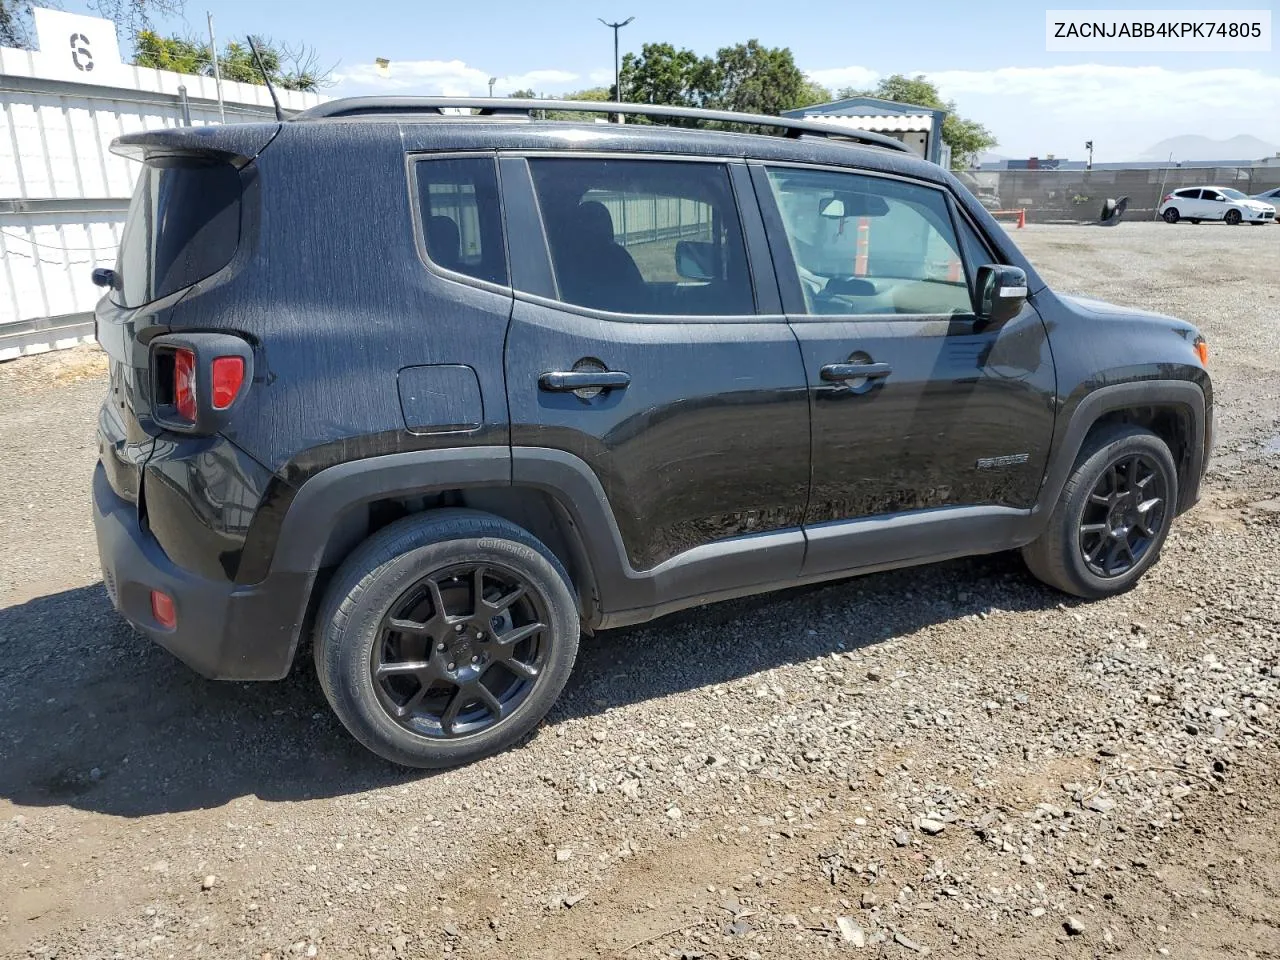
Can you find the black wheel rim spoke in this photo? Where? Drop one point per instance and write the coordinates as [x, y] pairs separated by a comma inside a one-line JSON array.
[[1124, 514], [520, 633], [460, 649], [490, 700]]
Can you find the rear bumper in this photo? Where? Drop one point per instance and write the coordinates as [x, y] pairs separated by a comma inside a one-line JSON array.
[[224, 631]]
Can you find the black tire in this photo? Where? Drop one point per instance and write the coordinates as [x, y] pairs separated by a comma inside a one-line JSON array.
[[1058, 556], [1170, 215], [1194, 219], [359, 621], [1232, 217]]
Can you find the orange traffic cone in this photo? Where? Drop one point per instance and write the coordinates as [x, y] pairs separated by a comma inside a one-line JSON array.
[[862, 248]]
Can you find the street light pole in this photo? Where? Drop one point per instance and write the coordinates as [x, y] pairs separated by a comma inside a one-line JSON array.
[[617, 74], [1088, 145], [492, 81]]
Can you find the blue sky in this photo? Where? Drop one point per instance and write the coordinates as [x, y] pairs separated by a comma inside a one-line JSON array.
[[989, 57]]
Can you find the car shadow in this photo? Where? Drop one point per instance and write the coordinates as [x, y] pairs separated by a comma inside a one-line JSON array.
[[94, 716]]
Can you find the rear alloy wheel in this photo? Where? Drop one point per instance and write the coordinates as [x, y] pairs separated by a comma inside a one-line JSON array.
[[446, 637], [1171, 215], [1112, 517], [1232, 217], [459, 650]]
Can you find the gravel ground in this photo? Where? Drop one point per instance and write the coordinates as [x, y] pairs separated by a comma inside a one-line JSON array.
[[949, 760]]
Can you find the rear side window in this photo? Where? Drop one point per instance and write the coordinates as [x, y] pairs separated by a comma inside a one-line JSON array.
[[462, 216], [870, 245], [652, 237], [183, 225]]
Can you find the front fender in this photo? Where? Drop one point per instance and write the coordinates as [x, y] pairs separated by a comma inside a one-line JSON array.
[[1186, 395]]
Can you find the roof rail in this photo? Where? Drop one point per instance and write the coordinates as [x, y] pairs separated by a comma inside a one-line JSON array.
[[499, 106]]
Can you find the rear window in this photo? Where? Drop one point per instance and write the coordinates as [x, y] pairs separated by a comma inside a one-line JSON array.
[[658, 237], [462, 216], [184, 224]]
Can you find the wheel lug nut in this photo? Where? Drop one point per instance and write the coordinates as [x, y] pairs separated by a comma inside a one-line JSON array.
[[440, 646], [453, 666], [479, 634], [457, 628], [475, 659]]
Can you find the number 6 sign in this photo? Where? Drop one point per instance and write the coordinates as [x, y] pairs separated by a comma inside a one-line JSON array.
[[81, 55]]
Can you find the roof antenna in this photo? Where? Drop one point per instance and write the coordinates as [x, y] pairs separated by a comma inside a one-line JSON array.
[[266, 78]]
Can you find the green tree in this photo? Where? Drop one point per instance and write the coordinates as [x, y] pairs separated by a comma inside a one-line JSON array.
[[290, 68], [747, 78], [751, 78], [814, 92], [661, 74], [131, 17], [591, 94], [966, 138]]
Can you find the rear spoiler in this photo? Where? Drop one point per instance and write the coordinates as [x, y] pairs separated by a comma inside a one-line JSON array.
[[235, 143]]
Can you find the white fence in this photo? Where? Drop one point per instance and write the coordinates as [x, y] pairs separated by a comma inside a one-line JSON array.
[[63, 194]]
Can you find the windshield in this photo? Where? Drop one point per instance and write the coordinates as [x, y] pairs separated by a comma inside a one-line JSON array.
[[1233, 194]]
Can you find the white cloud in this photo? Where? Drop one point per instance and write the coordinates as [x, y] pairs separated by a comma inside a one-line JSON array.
[[861, 78], [1038, 110], [1124, 110], [449, 78]]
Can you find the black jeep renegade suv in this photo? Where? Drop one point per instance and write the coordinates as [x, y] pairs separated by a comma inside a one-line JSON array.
[[442, 391]]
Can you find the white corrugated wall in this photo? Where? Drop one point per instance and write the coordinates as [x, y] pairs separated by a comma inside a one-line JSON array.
[[63, 194]]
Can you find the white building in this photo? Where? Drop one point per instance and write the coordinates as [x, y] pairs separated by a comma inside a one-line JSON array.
[[63, 194]]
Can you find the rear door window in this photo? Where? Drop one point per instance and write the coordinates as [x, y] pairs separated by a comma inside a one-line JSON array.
[[183, 226], [461, 214], [644, 236]]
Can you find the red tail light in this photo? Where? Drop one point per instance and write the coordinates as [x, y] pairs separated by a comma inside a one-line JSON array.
[[184, 384], [1167, 198], [228, 375]]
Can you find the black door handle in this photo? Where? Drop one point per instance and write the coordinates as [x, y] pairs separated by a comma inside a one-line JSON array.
[[854, 371], [566, 381]]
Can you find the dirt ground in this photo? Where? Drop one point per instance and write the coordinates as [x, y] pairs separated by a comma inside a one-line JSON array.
[[951, 760]]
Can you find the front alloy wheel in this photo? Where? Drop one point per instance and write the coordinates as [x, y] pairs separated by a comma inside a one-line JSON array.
[[1122, 516], [1112, 516]]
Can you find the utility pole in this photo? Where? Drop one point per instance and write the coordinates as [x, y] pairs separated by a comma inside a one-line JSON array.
[[217, 72], [492, 81], [617, 74], [1088, 145]]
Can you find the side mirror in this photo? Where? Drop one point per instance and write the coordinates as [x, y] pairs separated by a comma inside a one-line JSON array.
[[104, 277], [1002, 291], [695, 260], [831, 208]]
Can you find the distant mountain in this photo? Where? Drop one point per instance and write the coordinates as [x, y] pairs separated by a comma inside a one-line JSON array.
[[1195, 147]]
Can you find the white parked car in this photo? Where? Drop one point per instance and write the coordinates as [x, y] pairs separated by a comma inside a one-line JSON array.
[[1272, 197], [1215, 203]]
